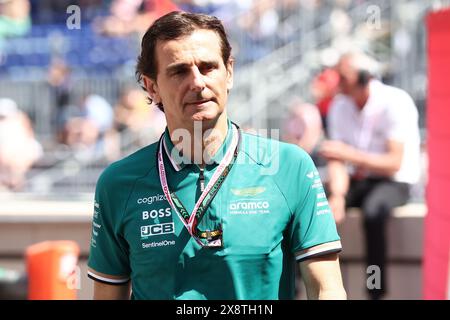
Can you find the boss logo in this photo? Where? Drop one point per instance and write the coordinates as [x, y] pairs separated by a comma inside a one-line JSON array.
[[157, 229], [156, 214]]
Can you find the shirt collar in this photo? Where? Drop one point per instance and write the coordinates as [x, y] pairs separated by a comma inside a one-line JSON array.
[[179, 162], [374, 94]]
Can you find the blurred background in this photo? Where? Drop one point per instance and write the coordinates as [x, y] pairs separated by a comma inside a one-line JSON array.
[[70, 105]]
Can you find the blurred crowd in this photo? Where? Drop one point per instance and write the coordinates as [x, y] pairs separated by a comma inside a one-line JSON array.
[[89, 121], [93, 123], [92, 127], [256, 26]]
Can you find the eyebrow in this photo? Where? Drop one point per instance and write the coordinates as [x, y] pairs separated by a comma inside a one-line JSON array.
[[181, 65], [176, 66]]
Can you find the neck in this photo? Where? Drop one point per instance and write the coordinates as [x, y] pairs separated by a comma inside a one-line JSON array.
[[362, 97], [200, 140]]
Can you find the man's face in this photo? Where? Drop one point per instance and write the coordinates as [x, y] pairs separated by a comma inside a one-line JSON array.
[[348, 76], [192, 80]]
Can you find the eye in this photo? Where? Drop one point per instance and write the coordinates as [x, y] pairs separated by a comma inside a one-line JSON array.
[[178, 72], [207, 67]]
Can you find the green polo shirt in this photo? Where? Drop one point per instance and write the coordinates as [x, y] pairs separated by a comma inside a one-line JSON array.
[[272, 208]]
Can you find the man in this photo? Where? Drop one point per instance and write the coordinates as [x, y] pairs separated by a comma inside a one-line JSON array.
[[19, 149], [192, 217], [303, 125], [129, 16], [373, 152], [15, 18]]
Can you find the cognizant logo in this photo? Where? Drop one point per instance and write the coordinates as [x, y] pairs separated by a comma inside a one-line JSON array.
[[152, 199]]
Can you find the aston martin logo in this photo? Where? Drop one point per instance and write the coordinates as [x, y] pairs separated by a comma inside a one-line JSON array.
[[248, 192]]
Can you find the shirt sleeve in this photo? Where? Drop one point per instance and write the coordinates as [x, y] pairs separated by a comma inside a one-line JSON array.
[[313, 230], [400, 116], [108, 258]]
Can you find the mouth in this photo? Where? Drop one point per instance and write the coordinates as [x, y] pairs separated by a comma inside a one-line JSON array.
[[199, 103]]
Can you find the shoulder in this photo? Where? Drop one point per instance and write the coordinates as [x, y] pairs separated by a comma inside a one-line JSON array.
[[393, 94], [130, 168], [399, 102], [266, 151], [288, 166]]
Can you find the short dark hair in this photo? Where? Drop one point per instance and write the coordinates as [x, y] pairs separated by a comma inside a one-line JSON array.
[[172, 26]]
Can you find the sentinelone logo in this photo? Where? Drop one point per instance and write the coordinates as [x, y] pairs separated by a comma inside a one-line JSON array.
[[249, 207], [158, 244]]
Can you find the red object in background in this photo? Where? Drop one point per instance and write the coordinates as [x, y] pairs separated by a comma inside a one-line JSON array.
[[325, 86], [52, 271], [160, 7], [436, 267]]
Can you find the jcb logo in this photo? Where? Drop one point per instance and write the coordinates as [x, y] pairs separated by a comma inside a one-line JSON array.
[[157, 229]]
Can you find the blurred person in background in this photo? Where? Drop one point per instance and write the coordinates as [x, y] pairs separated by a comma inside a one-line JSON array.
[[200, 6], [18, 147], [323, 88], [86, 124], [59, 80], [258, 30], [303, 127], [373, 152], [128, 16], [15, 18], [134, 118], [132, 113]]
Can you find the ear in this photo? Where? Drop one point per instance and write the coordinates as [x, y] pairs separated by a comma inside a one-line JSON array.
[[152, 89], [229, 67]]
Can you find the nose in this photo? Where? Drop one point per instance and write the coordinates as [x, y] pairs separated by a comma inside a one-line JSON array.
[[197, 80]]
